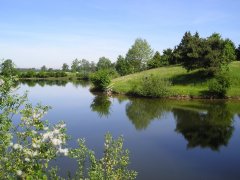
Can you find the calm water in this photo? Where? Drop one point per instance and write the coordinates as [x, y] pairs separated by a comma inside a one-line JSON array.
[[167, 139]]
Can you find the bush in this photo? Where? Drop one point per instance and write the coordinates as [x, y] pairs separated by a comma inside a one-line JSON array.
[[30, 74], [29, 144], [153, 86], [83, 75], [219, 85], [41, 74], [100, 80]]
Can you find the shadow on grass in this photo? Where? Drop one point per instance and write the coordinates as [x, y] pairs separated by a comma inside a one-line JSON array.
[[197, 77]]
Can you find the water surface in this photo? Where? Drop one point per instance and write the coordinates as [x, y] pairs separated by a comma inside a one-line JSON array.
[[167, 139]]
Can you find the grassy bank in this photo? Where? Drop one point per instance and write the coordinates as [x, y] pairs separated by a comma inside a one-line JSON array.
[[184, 83]]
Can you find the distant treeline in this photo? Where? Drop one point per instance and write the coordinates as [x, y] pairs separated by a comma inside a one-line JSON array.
[[193, 52], [41, 74]]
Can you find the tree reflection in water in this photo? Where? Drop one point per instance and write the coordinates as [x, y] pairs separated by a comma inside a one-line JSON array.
[[211, 129], [141, 111], [54, 82], [101, 104]]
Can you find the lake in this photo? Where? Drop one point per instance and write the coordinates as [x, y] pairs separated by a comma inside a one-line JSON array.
[[167, 139]]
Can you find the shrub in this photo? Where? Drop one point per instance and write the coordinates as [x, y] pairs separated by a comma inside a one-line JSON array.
[[30, 74], [30, 143], [100, 80], [41, 74], [219, 85], [153, 86]]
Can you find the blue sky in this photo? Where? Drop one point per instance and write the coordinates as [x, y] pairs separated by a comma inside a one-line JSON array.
[[50, 32]]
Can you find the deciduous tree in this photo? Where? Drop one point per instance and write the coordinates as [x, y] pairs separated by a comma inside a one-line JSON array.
[[138, 55]]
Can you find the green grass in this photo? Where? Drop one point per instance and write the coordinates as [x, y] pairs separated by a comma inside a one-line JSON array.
[[193, 83]]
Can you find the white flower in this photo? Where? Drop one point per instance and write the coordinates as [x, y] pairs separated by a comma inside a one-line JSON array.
[[56, 131], [56, 142], [35, 153], [64, 151], [11, 144], [1, 82], [27, 159], [35, 145], [45, 128], [62, 125], [19, 172], [17, 146], [47, 135]]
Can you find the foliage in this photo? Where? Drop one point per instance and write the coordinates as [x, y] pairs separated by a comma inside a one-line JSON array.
[[168, 57], [153, 86], [185, 84], [219, 85], [138, 55], [43, 68], [113, 164], [65, 67], [100, 79], [29, 143], [209, 53], [155, 62], [122, 66], [42, 74], [83, 66], [238, 53], [75, 65], [7, 68], [104, 63]]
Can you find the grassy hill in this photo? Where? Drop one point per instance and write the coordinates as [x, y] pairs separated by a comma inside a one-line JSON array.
[[192, 83]]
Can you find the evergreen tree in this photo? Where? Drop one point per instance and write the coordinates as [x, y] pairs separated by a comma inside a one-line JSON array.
[[155, 62]]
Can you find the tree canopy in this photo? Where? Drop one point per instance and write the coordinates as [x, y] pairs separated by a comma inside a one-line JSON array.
[[7, 68], [155, 62], [138, 55], [122, 66], [238, 53], [104, 63], [65, 67], [210, 53]]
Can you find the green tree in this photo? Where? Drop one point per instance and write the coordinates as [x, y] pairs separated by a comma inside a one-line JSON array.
[[122, 66], [190, 50], [210, 53], [65, 67], [238, 53], [167, 57], [100, 79], [93, 66], [75, 65], [155, 62], [43, 68], [217, 53], [28, 146], [138, 55], [104, 63], [7, 68], [219, 85], [84, 66]]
